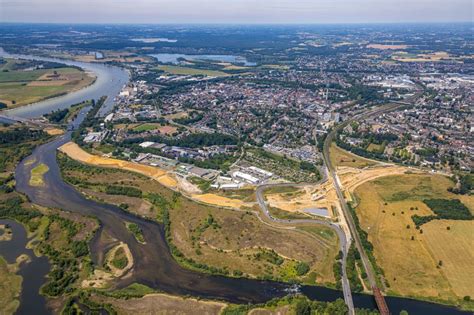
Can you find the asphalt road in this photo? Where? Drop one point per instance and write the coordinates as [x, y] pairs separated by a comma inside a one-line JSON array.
[[343, 242], [332, 172]]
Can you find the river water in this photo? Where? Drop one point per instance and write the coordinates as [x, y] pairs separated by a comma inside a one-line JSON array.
[[154, 264], [33, 273], [110, 80]]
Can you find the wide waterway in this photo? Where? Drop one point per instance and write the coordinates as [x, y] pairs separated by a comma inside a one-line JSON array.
[[154, 264], [33, 272], [110, 80]]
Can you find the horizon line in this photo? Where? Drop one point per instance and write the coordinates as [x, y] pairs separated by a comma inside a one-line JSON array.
[[242, 23]]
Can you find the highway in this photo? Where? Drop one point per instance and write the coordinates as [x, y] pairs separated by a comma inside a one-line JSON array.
[[343, 239], [345, 208]]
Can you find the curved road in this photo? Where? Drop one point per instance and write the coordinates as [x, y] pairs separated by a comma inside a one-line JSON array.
[[343, 241], [155, 265], [342, 201]]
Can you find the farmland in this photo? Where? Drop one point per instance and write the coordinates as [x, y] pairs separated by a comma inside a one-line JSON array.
[[430, 262], [21, 87]]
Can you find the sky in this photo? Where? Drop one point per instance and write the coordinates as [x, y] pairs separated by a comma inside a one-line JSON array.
[[236, 11]]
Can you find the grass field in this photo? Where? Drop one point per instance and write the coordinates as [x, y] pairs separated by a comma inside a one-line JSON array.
[[341, 158], [145, 127], [20, 87], [409, 257], [10, 288], [240, 238], [37, 173], [191, 71], [153, 126]]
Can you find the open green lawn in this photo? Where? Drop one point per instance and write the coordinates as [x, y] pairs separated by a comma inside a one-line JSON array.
[[146, 127], [191, 71]]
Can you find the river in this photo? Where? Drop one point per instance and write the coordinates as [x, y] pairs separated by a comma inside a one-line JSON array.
[[110, 80], [154, 264], [33, 272]]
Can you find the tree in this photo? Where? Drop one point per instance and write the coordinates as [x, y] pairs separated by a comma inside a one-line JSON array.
[[303, 308], [302, 268]]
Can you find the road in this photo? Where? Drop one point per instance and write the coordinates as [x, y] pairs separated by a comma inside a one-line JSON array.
[[345, 208], [344, 243], [343, 239]]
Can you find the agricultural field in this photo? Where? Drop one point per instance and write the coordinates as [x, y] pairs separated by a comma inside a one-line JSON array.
[[133, 301], [178, 70], [21, 87], [429, 57], [387, 46], [430, 262], [341, 158]]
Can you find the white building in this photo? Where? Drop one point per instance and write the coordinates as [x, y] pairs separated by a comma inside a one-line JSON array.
[[245, 177]]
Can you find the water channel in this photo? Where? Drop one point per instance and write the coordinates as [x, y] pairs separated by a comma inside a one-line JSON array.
[[155, 265]]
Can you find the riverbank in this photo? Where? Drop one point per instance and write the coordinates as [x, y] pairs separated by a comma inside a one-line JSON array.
[[26, 271], [28, 87], [109, 82], [10, 288]]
